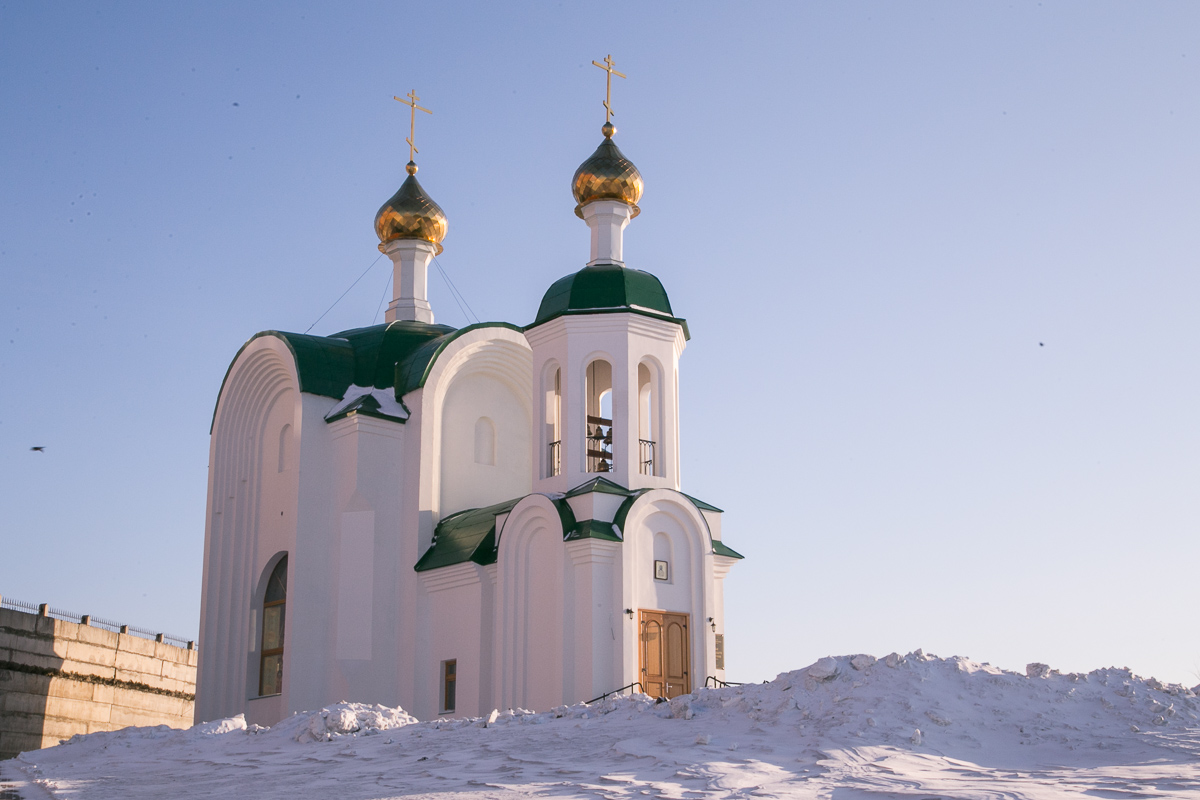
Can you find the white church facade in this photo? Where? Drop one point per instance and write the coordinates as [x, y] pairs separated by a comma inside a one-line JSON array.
[[459, 520]]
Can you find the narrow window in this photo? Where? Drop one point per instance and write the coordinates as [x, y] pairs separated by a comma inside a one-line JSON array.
[[598, 433], [485, 442], [270, 676], [449, 678]]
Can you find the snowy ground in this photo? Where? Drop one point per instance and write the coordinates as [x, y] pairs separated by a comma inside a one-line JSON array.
[[907, 726]]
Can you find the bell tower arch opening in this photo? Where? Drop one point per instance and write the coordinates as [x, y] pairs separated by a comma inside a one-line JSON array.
[[598, 420]]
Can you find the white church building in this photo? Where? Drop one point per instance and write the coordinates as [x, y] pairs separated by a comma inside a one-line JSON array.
[[460, 520]]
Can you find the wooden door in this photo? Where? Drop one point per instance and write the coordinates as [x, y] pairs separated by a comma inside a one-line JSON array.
[[664, 654]]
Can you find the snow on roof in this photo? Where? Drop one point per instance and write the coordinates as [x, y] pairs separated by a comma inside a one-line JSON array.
[[912, 725]]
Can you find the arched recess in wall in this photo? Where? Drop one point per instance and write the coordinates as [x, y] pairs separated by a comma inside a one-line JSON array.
[[487, 377], [285, 438], [664, 511], [485, 442], [598, 419], [651, 442]]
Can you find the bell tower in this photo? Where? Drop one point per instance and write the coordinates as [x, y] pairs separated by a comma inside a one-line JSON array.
[[606, 347]]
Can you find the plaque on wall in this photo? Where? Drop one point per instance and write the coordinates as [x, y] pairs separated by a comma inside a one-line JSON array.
[[660, 571], [720, 651]]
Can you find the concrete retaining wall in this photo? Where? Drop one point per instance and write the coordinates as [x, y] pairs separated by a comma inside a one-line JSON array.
[[59, 678]]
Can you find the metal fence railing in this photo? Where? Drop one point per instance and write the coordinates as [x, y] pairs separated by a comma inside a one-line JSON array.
[[47, 610]]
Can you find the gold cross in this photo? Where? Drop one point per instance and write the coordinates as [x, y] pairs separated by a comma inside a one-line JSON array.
[[607, 66], [411, 102]]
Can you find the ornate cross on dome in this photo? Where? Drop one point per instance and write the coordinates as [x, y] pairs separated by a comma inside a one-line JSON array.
[[411, 102], [607, 66]]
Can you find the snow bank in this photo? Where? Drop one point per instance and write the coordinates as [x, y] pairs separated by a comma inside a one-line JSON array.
[[901, 725]]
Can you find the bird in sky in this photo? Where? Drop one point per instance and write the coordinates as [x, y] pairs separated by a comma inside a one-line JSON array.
[[39, 449]]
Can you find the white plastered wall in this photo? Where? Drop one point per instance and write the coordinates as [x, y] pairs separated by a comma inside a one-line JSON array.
[[625, 340], [530, 640], [251, 517], [455, 622], [484, 372]]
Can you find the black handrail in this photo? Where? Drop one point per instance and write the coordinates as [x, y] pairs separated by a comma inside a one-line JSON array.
[[618, 691], [718, 683]]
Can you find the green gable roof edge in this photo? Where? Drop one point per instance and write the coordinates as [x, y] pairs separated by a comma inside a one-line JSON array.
[[623, 511], [593, 529], [724, 550], [680, 321], [413, 371], [703, 506], [360, 408], [470, 535], [599, 485]]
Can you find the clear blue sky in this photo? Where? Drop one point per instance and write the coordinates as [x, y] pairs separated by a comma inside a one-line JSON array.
[[939, 261]]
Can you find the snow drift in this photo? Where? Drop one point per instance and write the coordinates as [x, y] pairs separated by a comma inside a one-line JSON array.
[[898, 726]]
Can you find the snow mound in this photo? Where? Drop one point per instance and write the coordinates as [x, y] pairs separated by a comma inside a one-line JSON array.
[[904, 725], [217, 727], [343, 719]]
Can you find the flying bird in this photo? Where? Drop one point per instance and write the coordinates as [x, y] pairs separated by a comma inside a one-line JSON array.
[[40, 449]]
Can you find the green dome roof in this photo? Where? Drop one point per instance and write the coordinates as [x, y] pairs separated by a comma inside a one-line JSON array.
[[605, 287]]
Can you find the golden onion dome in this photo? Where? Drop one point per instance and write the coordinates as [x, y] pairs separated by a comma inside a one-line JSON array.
[[411, 214], [607, 175]]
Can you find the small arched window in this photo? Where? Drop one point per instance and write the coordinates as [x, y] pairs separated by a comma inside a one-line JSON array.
[[270, 676], [485, 442]]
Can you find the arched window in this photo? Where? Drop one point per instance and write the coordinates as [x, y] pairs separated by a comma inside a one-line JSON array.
[[485, 442], [270, 675], [553, 400], [598, 432]]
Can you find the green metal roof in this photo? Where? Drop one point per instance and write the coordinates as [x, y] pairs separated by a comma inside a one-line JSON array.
[[396, 355], [606, 288], [466, 536], [703, 506], [724, 550], [471, 535], [379, 348]]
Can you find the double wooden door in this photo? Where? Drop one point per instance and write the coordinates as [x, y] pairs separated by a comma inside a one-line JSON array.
[[664, 654]]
